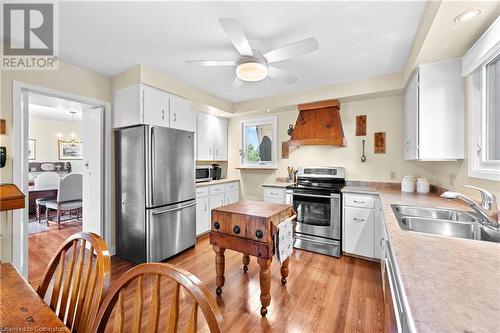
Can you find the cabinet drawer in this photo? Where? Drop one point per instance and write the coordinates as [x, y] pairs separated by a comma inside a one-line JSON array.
[[361, 201], [231, 186], [274, 193], [215, 189], [202, 191], [276, 201]]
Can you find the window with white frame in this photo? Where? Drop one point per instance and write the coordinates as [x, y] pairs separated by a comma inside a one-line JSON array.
[[482, 65], [259, 146]]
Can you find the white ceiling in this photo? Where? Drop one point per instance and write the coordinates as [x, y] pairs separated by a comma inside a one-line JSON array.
[[52, 108], [357, 39]]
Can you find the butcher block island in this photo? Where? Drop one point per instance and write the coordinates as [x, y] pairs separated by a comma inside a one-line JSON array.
[[249, 227]]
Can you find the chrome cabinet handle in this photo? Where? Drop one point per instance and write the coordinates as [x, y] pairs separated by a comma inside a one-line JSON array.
[[360, 202], [210, 152], [206, 207], [175, 117], [162, 114], [382, 239], [358, 219]]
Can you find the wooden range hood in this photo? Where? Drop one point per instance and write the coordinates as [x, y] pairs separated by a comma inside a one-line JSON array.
[[318, 123]]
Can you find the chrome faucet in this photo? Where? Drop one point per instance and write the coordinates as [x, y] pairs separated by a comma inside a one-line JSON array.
[[487, 209]]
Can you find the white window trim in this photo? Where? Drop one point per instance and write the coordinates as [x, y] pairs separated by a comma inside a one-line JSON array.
[[273, 120], [486, 49]]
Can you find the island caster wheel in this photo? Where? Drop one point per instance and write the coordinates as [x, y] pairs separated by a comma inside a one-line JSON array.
[[283, 281], [218, 291], [245, 268], [263, 311]]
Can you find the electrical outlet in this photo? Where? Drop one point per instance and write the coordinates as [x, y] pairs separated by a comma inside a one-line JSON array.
[[452, 179], [393, 174]]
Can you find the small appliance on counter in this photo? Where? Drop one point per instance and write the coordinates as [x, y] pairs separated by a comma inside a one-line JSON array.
[[408, 183], [216, 172], [203, 173]]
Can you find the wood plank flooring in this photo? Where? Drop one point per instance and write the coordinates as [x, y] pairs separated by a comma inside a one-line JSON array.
[[323, 294]]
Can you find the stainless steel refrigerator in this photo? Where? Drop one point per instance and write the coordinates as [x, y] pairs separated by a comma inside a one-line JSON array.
[[155, 199]]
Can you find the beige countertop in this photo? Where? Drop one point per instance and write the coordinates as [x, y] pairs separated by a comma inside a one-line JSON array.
[[451, 284], [278, 184], [218, 181]]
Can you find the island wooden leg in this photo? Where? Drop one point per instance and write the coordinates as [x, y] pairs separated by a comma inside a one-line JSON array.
[[284, 271], [246, 261], [265, 284], [219, 268]]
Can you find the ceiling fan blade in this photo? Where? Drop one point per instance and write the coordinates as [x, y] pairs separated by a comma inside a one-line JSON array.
[[292, 50], [278, 74], [211, 63], [236, 35], [237, 82]]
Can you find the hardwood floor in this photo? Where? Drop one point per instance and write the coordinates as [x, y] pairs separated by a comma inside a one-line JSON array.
[[323, 294]]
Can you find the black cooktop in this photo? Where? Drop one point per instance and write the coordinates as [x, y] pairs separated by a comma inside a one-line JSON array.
[[321, 184]]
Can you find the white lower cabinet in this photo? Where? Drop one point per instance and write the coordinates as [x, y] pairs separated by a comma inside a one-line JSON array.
[[202, 215], [361, 225], [210, 197], [359, 230]]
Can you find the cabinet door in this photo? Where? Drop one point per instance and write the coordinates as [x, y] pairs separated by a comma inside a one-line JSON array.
[[220, 139], [359, 231], [155, 107], [232, 197], [202, 215], [181, 115], [204, 137], [410, 116], [216, 200]]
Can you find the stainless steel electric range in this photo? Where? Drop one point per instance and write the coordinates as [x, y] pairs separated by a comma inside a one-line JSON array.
[[316, 198]]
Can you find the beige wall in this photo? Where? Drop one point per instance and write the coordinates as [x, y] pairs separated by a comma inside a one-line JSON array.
[[383, 115], [45, 131], [68, 78]]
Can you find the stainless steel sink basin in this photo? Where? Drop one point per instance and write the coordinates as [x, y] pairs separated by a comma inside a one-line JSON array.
[[444, 222], [434, 213]]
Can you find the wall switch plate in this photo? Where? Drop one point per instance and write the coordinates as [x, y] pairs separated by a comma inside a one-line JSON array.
[[393, 174]]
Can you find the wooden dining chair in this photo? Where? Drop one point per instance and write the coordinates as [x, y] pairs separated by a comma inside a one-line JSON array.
[[116, 298], [79, 276]]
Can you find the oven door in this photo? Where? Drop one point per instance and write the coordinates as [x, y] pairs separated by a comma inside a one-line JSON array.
[[317, 214]]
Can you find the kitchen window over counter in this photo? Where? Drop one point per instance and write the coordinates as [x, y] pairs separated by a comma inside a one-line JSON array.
[[481, 65], [259, 143]]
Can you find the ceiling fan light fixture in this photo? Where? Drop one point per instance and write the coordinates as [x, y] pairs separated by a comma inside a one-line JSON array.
[[251, 70]]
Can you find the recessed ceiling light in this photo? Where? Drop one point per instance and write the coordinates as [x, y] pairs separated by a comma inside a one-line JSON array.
[[468, 15]]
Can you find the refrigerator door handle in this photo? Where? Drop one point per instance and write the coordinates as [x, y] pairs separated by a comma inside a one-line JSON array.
[[153, 162], [173, 209]]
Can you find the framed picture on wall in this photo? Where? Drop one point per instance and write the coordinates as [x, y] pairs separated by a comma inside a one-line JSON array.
[[32, 149], [70, 150]]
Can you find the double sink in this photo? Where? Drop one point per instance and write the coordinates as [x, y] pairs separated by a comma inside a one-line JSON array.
[[443, 222]]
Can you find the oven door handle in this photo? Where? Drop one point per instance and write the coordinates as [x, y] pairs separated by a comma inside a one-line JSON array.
[[334, 195]]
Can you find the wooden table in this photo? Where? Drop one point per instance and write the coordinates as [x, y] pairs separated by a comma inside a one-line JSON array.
[[21, 309], [49, 192], [10, 197], [248, 227]]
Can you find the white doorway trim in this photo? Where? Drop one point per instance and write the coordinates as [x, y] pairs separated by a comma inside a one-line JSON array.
[[20, 166]]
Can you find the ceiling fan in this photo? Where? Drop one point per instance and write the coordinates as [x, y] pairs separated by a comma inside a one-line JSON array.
[[252, 65]]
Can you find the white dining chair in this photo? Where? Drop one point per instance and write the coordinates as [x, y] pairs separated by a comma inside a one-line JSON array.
[[69, 197], [45, 180]]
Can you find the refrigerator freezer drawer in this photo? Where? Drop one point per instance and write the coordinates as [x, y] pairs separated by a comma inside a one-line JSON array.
[[171, 229]]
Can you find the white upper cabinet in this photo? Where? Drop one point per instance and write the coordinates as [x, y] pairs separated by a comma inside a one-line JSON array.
[[220, 139], [211, 138], [155, 105], [142, 104], [434, 112], [204, 137], [181, 115]]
